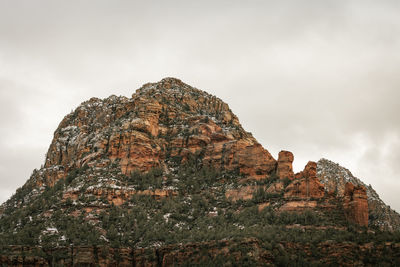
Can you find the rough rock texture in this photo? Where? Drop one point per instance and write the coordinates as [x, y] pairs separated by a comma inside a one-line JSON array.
[[335, 177], [310, 170], [275, 188], [170, 166], [243, 193], [119, 196], [163, 119], [306, 184], [355, 204], [298, 205], [284, 165], [163, 125]]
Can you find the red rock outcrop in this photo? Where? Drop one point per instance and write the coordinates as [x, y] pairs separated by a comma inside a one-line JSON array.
[[310, 170], [247, 192], [243, 193], [275, 188], [306, 184], [355, 204], [334, 177], [163, 120], [298, 205], [284, 165], [119, 196], [99, 147]]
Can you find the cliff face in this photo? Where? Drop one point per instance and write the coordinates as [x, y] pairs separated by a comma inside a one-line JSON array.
[[172, 165], [356, 204], [335, 178], [306, 185], [163, 120], [285, 165]]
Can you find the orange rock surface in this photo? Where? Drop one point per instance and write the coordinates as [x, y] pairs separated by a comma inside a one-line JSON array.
[[119, 196], [355, 204], [284, 165], [160, 121], [244, 193], [306, 185], [164, 125], [298, 205]]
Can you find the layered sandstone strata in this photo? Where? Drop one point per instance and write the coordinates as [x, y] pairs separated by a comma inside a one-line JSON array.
[[355, 204], [306, 184], [284, 165], [163, 120]]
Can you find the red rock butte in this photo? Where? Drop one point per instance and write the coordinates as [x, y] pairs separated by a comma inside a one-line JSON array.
[[165, 119], [171, 119], [173, 165]]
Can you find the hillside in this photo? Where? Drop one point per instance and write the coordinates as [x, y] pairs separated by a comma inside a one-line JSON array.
[[170, 177], [334, 177]]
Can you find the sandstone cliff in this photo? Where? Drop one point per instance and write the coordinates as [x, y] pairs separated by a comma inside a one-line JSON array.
[[356, 204], [162, 120], [285, 165], [306, 185], [335, 177]]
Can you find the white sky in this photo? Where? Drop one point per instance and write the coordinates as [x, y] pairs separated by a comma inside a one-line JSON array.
[[318, 78]]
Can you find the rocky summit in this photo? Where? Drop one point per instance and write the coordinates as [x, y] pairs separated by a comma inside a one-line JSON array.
[[169, 177]]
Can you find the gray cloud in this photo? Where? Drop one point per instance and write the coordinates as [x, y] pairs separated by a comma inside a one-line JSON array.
[[319, 78]]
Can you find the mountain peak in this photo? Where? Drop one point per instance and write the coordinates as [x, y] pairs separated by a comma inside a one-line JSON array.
[[162, 120], [166, 173], [167, 84]]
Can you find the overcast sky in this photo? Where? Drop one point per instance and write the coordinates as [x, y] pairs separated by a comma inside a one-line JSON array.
[[318, 78]]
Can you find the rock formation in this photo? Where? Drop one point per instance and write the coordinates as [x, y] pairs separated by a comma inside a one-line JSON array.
[[356, 204], [161, 120], [284, 165], [335, 177], [306, 184], [155, 179]]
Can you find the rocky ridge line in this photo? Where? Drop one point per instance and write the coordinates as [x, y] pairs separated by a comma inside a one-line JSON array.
[[335, 177]]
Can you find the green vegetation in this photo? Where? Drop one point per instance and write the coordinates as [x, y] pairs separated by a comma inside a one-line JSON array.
[[142, 181], [74, 173], [199, 213], [261, 195]]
